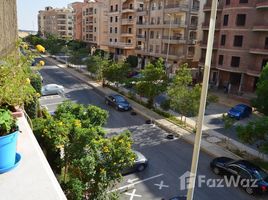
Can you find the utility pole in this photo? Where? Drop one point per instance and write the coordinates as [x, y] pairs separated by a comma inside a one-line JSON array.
[[203, 98]]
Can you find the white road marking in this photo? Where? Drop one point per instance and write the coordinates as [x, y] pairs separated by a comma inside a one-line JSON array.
[[132, 180], [161, 185], [50, 97], [132, 184], [133, 194]]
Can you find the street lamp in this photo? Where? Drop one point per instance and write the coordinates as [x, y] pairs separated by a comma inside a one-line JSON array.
[[168, 40], [203, 98]]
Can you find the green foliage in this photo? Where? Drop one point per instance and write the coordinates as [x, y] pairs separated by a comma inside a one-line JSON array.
[[92, 163], [184, 99], [116, 72], [132, 61], [165, 105], [255, 132], [96, 64], [15, 72], [153, 81], [32, 108], [211, 98], [261, 102], [36, 82], [7, 122], [228, 121]]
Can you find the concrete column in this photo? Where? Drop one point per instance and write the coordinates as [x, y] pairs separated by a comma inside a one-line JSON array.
[[241, 83]]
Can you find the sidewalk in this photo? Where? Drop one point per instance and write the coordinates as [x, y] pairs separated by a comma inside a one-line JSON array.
[[210, 142]]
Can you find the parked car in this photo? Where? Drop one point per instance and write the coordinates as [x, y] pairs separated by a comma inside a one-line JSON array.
[[245, 170], [117, 101], [140, 164], [240, 111], [52, 89], [178, 198]]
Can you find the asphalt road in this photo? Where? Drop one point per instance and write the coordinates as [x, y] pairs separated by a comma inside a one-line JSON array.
[[168, 159]]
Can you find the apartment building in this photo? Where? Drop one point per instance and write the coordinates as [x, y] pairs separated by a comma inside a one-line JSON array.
[[91, 22], [122, 27], [167, 29], [56, 21], [241, 43], [9, 29]]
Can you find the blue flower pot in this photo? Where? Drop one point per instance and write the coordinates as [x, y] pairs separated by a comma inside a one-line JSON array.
[[8, 156]]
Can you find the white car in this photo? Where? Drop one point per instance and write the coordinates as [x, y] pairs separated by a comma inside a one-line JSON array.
[[52, 89]]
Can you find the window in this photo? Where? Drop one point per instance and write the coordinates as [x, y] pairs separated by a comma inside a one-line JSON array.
[[95, 11], [116, 18], [266, 43], [111, 29], [116, 7], [235, 61], [115, 30], [151, 34], [223, 39], [225, 20], [112, 8], [111, 39], [238, 41], [130, 17], [227, 2], [129, 41], [129, 30], [220, 62], [241, 20], [243, 1], [264, 62], [115, 40], [95, 38], [158, 20], [157, 49], [151, 48], [111, 19], [95, 29], [131, 6]]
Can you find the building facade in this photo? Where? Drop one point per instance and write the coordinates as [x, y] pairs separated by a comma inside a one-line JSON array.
[[122, 27], [241, 43], [167, 29], [56, 21], [8, 21], [90, 22]]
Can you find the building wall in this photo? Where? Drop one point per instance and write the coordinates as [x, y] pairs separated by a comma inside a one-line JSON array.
[[253, 52], [8, 26], [77, 9]]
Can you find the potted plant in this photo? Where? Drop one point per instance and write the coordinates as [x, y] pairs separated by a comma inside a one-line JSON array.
[[8, 141]]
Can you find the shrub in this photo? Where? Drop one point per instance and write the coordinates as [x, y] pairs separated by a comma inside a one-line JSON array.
[[165, 105], [132, 61]]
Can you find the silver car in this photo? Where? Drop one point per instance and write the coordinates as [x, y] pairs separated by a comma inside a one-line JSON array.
[[52, 89], [140, 163]]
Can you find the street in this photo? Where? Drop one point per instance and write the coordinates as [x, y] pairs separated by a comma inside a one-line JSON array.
[[168, 159]]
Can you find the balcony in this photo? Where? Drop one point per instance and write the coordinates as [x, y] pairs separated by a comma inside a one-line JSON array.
[[171, 55], [171, 8], [195, 9], [140, 37], [127, 22], [126, 34], [207, 7], [127, 10], [174, 24], [260, 28], [33, 178], [193, 26], [122, 45], [203, 45], [142, 24], [205, 26], [262, 4], [142, 12], [259, 51], [173, 40]]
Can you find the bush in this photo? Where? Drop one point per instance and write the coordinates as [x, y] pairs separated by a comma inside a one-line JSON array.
[[36, 82], [32, 108], [165, 105]]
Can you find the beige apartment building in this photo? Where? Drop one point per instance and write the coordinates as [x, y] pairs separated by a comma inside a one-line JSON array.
[[240, 47], [56, 21], [167, 29], [122, 27], [91, 22]]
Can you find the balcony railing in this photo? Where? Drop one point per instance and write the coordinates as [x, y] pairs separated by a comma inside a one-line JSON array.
[[123, 45], [263, 28], [127, 21], [262, 4], [258, 50], [140, 36], [175, 23], [127, 9], [169, 6]]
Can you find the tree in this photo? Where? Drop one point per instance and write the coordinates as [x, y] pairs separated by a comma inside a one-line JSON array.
[[96, 65], [91, 163], [116, 72], [255, 132], [184, 99], [153, 81], [132, 61], [261, 102]]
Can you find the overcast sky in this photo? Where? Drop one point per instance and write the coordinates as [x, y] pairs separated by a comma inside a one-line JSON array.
[[28, 10]]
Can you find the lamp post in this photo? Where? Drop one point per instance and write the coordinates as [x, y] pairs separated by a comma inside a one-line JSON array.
[[203, 98], [168, 41]]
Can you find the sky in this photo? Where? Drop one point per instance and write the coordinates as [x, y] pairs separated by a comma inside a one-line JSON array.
[[28, 10]]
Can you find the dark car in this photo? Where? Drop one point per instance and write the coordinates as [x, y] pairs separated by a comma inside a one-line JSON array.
[[118, 101], [140, 163], [240, 111], [245, 171], [178, 198]]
